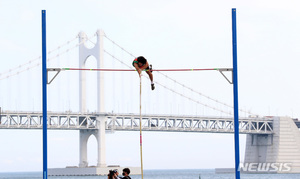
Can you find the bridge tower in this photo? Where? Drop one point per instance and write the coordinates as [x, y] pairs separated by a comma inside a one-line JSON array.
[[281, 148], [84, 53]]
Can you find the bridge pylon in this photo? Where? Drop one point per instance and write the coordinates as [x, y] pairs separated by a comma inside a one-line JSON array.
[[85, 52], [99, 133]]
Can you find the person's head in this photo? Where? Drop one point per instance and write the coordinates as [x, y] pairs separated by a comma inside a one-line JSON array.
[[111, 174], [116, 172], [126, 172], [141, 60]]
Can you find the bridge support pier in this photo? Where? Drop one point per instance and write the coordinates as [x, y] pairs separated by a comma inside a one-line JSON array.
[[100, 136], [83, 139], [278, 153], [101, 142]]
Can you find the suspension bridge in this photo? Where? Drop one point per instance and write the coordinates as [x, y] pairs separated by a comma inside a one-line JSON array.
[[268, 138], [130, 122]]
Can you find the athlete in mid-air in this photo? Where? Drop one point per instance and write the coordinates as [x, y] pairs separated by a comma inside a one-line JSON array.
[[140, 64]]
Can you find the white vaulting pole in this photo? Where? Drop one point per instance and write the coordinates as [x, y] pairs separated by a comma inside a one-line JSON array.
[[141, 143]]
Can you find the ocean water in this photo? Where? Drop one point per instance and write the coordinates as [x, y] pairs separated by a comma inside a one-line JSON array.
[[159, 174]]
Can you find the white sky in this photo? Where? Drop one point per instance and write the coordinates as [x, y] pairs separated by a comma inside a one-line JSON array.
[[171, 34]]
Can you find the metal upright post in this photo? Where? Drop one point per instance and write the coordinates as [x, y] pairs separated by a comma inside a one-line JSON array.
[[235, 97], [44, 76]]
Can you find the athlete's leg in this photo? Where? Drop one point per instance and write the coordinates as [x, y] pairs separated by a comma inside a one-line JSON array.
[[150, 75], [151, 78]]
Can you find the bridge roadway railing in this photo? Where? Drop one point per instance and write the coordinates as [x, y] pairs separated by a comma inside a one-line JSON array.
[[188, 124], [56, 120], [130, 122]]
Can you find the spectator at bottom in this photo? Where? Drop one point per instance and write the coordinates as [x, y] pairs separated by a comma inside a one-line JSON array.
[[126, 172]]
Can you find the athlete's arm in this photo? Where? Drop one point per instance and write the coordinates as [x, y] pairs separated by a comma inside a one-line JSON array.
[[139, 70]]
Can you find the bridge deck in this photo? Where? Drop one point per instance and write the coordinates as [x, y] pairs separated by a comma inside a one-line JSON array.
[[130, 122]]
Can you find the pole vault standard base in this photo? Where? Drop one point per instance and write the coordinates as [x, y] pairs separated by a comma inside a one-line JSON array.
[[87, 171]]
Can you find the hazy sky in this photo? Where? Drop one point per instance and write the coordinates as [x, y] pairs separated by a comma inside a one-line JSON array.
[[171, 34]]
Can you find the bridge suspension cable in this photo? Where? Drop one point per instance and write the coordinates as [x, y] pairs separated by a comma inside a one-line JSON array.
[[164, 86], [178, 93], [175, 81], [35, 63]]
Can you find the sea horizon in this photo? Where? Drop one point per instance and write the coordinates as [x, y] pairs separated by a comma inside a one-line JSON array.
[[156, 174]]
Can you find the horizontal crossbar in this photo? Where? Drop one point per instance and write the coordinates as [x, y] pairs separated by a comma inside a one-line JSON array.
[[97, 69]]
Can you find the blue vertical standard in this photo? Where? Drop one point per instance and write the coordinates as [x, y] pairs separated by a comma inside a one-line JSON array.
[[235, 97], [44, 76]]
